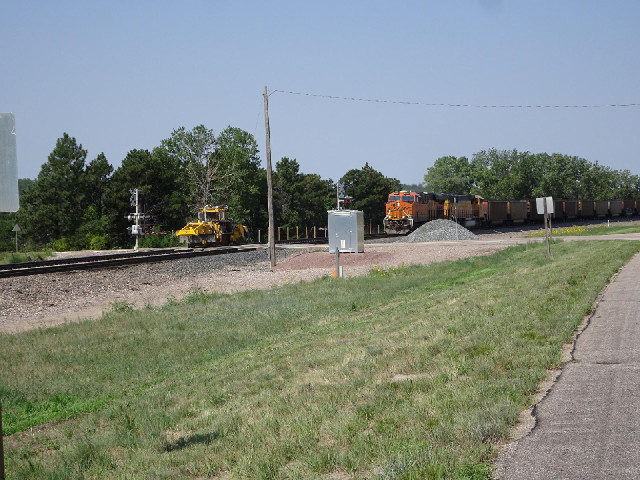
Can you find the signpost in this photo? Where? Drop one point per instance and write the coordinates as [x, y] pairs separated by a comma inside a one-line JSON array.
[[544, 206]]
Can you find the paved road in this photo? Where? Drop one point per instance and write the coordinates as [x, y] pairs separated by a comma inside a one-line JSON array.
[[588, 427]]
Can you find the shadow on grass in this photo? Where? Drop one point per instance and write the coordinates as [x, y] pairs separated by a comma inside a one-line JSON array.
[[195, 439]]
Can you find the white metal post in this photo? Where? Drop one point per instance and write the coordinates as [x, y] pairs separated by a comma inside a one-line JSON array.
[[546, 226], [137, 226]]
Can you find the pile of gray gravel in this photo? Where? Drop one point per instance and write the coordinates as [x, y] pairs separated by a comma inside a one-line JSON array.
[[437, 230]]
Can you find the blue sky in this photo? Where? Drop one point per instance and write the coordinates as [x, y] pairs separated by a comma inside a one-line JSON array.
[[122, 75]]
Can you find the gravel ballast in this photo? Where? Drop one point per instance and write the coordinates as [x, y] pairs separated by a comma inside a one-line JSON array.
[[439, 230]]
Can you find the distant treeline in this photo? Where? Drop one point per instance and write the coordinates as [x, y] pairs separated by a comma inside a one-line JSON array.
[[509, 174], [75, 204], [80, 204]]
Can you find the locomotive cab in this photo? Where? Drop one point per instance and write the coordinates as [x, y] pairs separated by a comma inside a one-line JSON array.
[[404, 211]]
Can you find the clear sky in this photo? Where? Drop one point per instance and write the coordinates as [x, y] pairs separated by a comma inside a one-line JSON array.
[[119, 75]]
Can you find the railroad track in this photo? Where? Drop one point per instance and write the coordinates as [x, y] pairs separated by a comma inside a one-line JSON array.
[[133, 258], [114, 260]]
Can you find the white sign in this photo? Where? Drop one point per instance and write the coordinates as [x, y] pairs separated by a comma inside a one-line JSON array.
[[540, 205], [16, 228], [8, 164]]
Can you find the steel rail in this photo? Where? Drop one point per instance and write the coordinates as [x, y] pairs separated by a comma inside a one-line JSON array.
[[111, 261], [66, 261]]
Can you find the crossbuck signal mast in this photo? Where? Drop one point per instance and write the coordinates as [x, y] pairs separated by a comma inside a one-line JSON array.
[[136, 229]]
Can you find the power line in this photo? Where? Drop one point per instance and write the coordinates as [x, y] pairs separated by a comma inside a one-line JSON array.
[[454, 105]]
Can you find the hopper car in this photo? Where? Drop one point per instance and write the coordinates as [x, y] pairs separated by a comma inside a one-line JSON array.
[[407, 210]]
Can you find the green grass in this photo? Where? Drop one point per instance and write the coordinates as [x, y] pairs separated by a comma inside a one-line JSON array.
[[583, 230], [18, 257], [159, 241], [408, 373]]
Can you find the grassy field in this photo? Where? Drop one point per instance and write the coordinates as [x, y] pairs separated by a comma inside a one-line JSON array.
[[411, 373], [590, 230]]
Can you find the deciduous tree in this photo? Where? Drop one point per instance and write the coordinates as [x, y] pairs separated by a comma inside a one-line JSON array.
[[450, 175], [240, 182], [195, 151], [370, 189]]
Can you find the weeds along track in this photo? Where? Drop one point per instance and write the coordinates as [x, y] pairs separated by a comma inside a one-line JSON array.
[[115, 260]]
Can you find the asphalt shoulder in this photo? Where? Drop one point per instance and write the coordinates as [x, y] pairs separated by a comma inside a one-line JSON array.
[[588, 425]]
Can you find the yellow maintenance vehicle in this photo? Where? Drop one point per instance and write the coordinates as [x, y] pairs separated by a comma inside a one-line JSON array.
[[212, 228]]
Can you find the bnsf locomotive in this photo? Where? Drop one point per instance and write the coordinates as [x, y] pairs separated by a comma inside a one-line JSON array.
[[408, 210]]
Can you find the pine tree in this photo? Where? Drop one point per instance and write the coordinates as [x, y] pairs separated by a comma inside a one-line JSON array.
[[53, 206]]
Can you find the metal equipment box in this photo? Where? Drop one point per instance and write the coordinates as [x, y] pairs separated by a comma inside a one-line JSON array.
[[346, 231]]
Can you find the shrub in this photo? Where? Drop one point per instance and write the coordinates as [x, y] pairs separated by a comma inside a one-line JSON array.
[[159, 241], [97, 241], [62, 244]]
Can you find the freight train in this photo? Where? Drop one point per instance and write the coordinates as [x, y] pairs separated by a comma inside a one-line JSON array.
[[406, 210]]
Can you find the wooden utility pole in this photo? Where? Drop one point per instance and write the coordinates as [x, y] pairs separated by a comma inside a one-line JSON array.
[[272, 234]]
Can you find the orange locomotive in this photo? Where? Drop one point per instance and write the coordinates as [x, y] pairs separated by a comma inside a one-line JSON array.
[[408, 210]]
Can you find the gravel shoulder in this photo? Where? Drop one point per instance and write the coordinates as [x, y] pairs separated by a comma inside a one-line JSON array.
[[47, 300]]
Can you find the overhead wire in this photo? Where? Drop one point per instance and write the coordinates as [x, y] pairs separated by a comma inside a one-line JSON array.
[[454, 105]]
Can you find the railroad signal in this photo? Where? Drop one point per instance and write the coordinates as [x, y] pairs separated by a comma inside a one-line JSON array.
[[135, 230], [343, 201], [138, 216]]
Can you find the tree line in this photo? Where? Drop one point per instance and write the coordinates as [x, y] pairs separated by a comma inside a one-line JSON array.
[[510, 174], [79, 204]]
